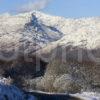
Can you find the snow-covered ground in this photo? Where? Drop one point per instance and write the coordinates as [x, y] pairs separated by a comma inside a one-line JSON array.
[[88, 96]]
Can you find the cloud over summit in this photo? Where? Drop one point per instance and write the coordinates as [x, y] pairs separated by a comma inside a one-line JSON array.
[[33, 5]]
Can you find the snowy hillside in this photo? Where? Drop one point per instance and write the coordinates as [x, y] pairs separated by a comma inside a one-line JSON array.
[[28, 29], [42, 29], [31, 32]]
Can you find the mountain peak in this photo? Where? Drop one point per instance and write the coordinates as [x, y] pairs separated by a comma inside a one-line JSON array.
[[44, 29]]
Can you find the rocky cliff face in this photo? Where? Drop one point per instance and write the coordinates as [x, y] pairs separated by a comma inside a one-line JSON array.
[[63, 52]]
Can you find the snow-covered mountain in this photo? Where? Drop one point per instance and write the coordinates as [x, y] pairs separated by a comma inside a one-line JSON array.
[[27, 31], [35, 28], [34, 31]]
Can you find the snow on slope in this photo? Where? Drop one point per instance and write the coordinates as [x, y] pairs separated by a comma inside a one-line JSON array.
[[25, 31], [37, 29], [75, 30], [30, 24]]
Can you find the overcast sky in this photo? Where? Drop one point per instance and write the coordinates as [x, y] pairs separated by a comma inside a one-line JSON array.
[[65, 8]]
